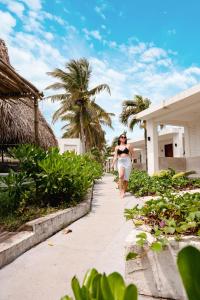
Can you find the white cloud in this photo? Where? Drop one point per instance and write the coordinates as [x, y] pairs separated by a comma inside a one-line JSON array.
[[8, 22], [99, 11], [15, 7], [152, 54], [171, 31], [93, 33], [49, 36], [33, 4]]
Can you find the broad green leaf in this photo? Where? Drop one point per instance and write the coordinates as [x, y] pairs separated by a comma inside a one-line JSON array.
[[85, 295], [169, 230], [141, 242], [189, 267], [142, 235], [89, 276], [66, 298], [96, 287], [76, 288], [156, 246], [138, 222], [117, 285], [130, 292], [106, 289], [131, 255]]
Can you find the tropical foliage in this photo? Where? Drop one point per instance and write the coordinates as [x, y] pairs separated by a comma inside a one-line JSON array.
[[189, 267], [170, 214], [83, 116], [142, 184], [102, 287], [46, 179]]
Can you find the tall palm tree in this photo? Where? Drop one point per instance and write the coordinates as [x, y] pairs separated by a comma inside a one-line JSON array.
[[93, 119], [74, 83], [128, 116]]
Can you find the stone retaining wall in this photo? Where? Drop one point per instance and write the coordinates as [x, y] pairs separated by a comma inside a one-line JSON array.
[[155, 273], [40, 229]]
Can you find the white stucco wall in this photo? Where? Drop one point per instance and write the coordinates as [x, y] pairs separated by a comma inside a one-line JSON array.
[[70, 145], [178, 144], [161, 147], [192, 140]]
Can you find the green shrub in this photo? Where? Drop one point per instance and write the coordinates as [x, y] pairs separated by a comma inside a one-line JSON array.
[[13, 187], [65, 177], [29, 157], [163, 174], [141, 184], [46, 179], [102, 287]]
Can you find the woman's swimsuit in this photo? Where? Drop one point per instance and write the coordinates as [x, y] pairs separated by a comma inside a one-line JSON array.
[[124, 162], [126, 151]]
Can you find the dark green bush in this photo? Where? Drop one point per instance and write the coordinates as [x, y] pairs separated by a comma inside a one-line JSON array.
[[46, 179]]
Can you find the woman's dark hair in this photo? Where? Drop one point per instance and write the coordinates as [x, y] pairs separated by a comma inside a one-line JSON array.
[[120, 137]]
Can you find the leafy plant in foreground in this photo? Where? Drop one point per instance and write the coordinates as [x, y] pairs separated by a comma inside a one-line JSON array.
[[189, 268], [102, 287], [112, 287]]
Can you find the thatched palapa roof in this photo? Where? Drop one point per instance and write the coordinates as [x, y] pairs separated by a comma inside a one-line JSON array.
[[17, 99]]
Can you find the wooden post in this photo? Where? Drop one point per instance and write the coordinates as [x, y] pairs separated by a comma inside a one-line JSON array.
[[36, 122]]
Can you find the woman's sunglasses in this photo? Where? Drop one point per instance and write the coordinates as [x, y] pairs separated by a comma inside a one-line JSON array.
[[123, 137]]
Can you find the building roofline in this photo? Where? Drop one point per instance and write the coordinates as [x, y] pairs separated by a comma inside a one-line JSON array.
[[154, 110]]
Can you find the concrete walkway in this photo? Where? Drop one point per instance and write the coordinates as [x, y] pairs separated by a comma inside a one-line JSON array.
[[97, 240]]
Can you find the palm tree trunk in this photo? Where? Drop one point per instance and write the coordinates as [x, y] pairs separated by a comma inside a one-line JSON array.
[[82, 131], [145, 141]]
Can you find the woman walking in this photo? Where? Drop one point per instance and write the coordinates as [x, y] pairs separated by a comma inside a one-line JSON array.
[[123, 155]]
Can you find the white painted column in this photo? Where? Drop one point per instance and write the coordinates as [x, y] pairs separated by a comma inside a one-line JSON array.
[[152, 147], [143, 156], [187, 141], [178, 144]]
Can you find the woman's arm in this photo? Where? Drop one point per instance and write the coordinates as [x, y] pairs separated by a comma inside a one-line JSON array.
[[114, 158], [131, 152]]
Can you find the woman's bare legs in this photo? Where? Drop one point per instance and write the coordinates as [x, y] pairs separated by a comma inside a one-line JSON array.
[[125, 185], [121, 181]]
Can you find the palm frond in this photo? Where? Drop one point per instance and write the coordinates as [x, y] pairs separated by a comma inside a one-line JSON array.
[[98, 89]]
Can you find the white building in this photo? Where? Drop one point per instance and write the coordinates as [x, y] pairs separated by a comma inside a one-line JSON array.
[[70, 145], [182, 110], [170, 144]]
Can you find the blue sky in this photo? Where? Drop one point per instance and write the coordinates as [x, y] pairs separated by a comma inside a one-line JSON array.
[[136, 46]]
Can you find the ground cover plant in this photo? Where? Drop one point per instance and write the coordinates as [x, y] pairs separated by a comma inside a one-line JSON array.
[[142, 184], [47, 181], [169, 215], [103, 287]]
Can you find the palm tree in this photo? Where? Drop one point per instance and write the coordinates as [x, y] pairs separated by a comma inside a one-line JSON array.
[[74, 83], [94, 117], [128, 116]]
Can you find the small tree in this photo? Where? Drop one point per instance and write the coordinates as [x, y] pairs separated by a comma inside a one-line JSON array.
[[130, 108]]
